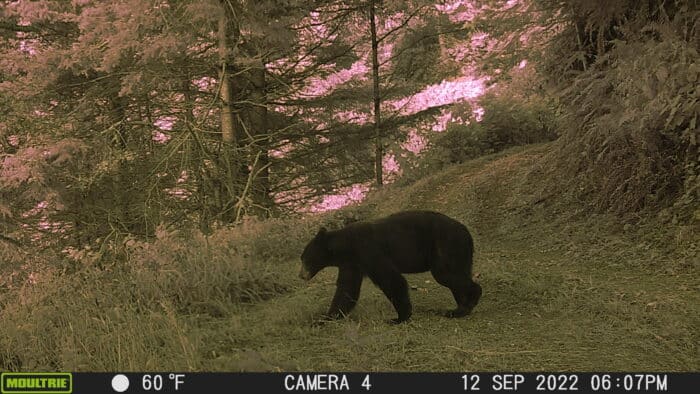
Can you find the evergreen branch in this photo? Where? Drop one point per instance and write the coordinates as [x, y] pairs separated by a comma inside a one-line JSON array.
[[11, 241]]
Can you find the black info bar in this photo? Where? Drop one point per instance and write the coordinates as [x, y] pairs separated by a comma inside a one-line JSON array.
[[354, 382]]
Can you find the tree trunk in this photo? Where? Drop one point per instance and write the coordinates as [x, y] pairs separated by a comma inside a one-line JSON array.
[[444, 53], [378, 146], [228, 135], [260, 134], [227, 174]]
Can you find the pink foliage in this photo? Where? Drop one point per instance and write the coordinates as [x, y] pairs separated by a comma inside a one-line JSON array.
[[282, 149], [160, 137], [110, 31], [446, 92], [21, 167], [479, 113], [415, 143], [391, 167], [28, 46], [206, 84], [345, 196], [323, 86], [442, 121], [165, 122], [459, 10], [13, 140], [352, 117], [313, 28], [478, 40]]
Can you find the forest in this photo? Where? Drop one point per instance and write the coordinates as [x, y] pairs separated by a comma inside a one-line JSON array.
[[163, 164]]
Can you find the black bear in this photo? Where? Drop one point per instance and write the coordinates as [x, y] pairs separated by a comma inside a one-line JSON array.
[[405, 242]]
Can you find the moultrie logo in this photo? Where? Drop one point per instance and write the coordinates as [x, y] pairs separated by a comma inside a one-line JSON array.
[[35, 383]]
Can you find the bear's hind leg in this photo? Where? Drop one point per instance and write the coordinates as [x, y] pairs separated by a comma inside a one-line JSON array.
[[465, 291], [466, 296], [347, 292]]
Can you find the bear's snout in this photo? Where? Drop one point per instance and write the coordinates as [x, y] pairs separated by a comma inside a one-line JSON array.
[[304, 273]]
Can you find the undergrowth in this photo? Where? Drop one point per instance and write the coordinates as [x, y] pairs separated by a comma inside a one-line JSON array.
[[141, 312], [564, 289], [631, 139]]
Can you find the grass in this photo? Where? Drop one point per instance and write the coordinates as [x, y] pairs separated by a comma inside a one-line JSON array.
[[564, 290], [540, 313]]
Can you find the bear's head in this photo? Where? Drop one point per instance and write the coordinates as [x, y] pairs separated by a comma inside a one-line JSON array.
[[316, 255]]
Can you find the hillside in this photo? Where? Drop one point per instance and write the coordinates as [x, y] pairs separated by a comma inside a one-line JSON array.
[[564, 289]]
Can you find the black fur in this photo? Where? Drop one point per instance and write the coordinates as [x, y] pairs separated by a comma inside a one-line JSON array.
[[405, 242]]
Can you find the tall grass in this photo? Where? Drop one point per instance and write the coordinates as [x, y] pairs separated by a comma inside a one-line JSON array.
[[141, 312]]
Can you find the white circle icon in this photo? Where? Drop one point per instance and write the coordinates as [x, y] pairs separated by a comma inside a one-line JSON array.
[[120, 383]]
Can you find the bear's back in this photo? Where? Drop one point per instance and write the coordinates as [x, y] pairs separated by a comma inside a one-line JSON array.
[[412, 239]]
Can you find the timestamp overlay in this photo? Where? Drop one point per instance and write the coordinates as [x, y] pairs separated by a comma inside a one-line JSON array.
[[354, 382]]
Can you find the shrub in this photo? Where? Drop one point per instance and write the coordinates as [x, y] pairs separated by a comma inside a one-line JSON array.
[[142, 312], [508, 121], [632, 135]]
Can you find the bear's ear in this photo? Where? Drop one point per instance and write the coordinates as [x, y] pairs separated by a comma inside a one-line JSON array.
[[322, 231]]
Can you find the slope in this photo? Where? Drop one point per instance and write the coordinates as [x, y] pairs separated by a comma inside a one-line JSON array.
[[564, 289]]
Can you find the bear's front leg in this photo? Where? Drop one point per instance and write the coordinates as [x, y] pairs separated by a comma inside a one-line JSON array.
[[347, 292], [395, 288]]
